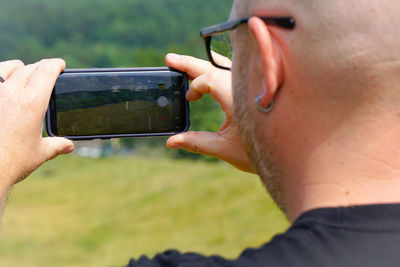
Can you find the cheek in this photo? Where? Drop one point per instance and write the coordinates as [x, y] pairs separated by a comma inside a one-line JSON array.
[[247, 77], [239, 81], [255, 78]]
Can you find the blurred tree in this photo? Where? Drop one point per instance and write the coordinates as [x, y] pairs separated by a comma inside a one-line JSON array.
[[109, 33]]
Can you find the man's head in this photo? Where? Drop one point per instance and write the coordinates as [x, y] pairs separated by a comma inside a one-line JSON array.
[[334, 80]]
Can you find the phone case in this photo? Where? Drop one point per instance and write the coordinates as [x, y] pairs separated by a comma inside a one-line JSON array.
[[92, 137]]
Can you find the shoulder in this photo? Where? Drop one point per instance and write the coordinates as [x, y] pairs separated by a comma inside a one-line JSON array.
[[357, 236]]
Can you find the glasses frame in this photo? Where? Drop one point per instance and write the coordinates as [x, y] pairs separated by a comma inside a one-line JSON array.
[[208, 32]]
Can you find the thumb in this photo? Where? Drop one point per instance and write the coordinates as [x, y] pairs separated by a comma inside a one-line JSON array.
[[196, 142], [54, 146], [212, 144]]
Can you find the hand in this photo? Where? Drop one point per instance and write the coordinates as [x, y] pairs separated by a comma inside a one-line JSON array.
[[224, 144], [24, 97]]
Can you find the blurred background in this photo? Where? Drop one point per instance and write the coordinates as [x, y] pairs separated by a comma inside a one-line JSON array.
[[110, 201]]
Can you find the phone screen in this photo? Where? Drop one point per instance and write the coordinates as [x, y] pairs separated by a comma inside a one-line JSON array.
[[118, 103]]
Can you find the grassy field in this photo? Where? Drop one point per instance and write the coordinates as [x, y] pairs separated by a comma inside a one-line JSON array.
[[100, 212]]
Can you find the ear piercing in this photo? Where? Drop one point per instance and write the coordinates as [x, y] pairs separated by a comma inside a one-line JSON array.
[[1, 79], [260, 108]]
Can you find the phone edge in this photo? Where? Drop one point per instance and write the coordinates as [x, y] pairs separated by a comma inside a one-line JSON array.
[[107, 137]]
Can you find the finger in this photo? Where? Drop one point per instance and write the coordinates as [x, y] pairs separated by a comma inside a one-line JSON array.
[[55, 146], [44, 77], [195, 142], [212, 144], [221, 60], [216, 83], [21, 76], [195, 93], [194, 67], [8, 67]]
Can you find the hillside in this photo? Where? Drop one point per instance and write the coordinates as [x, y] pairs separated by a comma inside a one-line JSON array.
[[105, 33]]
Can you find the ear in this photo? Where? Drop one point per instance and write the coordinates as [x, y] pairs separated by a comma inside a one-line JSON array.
[[270, 57]]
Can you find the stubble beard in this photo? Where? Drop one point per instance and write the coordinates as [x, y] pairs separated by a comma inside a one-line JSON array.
[[260, 153]]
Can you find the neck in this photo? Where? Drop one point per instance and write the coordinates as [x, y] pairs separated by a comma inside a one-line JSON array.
[[348, 169]]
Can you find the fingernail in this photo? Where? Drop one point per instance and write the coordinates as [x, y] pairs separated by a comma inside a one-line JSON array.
[[173, 57], [68, 150]]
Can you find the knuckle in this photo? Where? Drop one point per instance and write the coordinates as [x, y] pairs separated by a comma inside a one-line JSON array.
[[18, 63], [58, 151], [206, 84], [195, 149], [53, 155], [212, 76], [58, 61], [53, 152], [195, 146], [186, 59], [184, 63], [194, 84], [8, 66], [49, 68]]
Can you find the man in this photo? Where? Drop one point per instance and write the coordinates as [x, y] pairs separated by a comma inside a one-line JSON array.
[[315, 114], [317, 110]]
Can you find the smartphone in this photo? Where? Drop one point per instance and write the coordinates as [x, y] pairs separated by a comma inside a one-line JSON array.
[[113, 103]]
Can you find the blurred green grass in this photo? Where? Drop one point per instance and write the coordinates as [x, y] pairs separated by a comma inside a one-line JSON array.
[[100, 212]]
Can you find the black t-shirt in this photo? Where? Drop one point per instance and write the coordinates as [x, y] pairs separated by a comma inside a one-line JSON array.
[[351, 236]]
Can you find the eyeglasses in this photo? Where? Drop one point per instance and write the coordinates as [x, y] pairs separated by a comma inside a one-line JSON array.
[[218, 41]]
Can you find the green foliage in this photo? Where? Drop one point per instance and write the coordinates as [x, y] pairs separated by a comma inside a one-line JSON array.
[[113, 33], [105, 33], [222, 45]]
